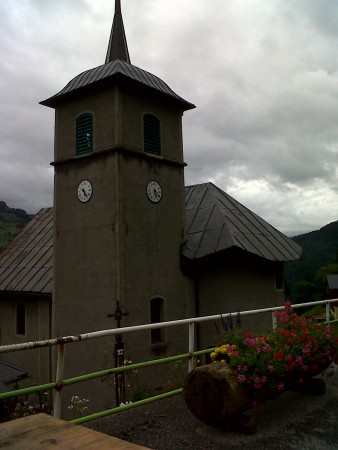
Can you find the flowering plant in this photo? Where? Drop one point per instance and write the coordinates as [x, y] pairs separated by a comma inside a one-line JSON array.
[[295, 351]]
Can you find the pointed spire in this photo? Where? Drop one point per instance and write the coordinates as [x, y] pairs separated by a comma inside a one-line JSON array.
[[117, 48]]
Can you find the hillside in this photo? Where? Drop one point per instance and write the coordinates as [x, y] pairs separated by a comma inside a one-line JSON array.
[[320, 248], [12, 220]]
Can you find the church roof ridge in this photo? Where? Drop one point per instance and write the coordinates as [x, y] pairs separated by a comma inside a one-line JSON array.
[[117, 47]]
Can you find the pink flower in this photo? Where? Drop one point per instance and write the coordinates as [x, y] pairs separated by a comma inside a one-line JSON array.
[[280, 386], [241, 378], [298, 360], [250, 341]]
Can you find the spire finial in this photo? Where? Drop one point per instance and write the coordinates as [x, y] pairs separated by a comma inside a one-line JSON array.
[[117, 47]]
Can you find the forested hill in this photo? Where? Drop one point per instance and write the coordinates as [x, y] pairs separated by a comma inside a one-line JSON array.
[[320, 248], [12, 220]]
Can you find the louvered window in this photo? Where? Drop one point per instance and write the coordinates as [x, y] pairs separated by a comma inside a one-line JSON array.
[[84, 134], [151, 134]]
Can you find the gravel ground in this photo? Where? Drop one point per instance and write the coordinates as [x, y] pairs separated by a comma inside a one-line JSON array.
[[292, 421]]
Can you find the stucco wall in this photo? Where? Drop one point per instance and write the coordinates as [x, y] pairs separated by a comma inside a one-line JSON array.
[[36, 362], [241, 285]]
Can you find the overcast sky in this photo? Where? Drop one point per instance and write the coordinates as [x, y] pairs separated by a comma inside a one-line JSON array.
[[262, 73]]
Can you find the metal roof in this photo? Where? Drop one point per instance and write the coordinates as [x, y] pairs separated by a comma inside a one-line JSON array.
[[9, 373], [217, 222], [112, 70], [332, 281], [26, 264]]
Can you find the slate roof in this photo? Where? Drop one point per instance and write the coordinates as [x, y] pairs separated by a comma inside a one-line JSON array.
[[217, 222], [332, 282], [26, 264], [9, 373], [110, 71]]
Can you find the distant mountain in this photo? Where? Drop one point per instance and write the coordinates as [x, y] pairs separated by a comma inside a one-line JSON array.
[[12, 220], [320, 248]]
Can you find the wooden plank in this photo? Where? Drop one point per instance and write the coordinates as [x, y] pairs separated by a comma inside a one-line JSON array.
[[41, 431]]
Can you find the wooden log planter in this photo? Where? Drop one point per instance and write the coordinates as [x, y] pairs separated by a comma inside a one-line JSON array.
[[247, 370], [214, 396]]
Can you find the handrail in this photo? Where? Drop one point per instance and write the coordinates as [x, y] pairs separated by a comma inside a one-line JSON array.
[[59, 383], [150, 326]]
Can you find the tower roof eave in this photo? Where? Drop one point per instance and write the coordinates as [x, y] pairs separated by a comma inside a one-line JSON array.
[[96, 77]]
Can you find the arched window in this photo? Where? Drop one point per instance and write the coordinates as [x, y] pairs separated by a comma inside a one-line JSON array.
[[20, 318], [156, 315], [151, 134], [84, 134]]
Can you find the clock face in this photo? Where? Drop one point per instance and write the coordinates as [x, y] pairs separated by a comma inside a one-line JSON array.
[[84, 191], [154, 191]]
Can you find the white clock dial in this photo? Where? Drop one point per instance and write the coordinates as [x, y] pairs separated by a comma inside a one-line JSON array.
[[84, 191], [154, 191]]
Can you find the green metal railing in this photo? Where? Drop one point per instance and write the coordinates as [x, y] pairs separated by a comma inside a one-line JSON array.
[[58, 385], [106, 372]]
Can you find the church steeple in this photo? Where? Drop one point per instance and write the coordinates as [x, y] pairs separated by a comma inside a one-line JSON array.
[[117, 47]]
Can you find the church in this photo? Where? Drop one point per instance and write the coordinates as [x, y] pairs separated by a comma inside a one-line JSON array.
[[125, 233]]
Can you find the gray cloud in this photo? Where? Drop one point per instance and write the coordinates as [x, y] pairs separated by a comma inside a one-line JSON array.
[[264, 76]]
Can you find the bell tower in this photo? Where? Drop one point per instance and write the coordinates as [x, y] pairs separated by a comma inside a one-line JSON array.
[[119, 217]]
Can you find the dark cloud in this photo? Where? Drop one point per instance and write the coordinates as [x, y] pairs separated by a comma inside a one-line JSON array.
[[263, 75]]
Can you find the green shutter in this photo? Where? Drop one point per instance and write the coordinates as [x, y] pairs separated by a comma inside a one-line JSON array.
[[84, 134], [152, 135]]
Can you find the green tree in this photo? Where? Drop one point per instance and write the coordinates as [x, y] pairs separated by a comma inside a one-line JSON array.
[[304, 291]]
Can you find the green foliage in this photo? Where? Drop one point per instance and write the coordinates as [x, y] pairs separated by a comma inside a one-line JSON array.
[[11, 222], [308, 291], [320, 248], [15, 408]]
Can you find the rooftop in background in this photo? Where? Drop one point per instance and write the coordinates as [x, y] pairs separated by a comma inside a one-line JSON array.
[[9, 373], [26, 264], [332, 281]]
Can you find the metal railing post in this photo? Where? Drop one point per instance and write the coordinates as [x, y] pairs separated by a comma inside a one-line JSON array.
[[274, 320], [191, 345], [327, 311], [58, 379]]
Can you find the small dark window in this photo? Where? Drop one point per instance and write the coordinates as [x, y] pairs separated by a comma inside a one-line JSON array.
[[84, 134], [151, 134], [279, 276], [156, 315], [20, 318]]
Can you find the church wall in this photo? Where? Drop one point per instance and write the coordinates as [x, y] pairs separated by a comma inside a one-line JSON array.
[[243, 287], [37, 327], [118, 246], [151, 255]]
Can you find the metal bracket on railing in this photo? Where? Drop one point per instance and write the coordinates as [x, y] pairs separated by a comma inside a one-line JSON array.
[[59, 379], [191, 345]]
